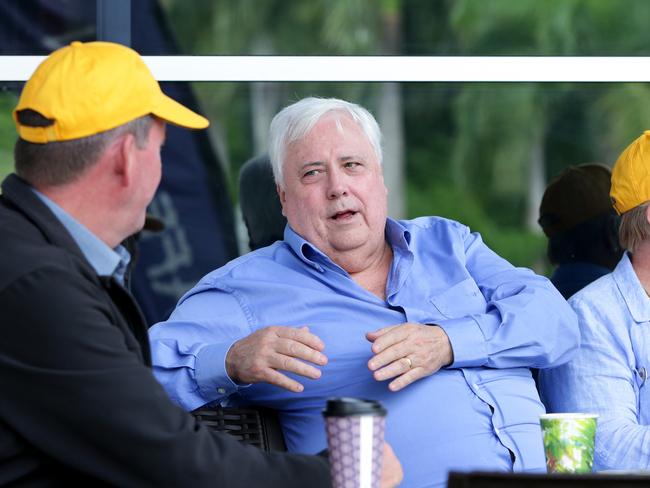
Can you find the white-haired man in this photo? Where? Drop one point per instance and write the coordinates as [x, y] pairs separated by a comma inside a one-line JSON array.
[[80, 406], [352, 298], [609, 374]]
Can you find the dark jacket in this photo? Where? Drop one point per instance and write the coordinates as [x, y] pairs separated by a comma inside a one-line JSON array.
[[78, 402]]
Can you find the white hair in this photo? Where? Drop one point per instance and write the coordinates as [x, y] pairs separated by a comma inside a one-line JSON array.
[[295, 121]]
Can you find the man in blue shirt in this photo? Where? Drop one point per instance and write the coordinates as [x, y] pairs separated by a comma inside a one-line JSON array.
[[608, 376], [419, 315]]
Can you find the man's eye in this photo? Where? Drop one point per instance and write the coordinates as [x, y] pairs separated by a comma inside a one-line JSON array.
[[352, 164], [312, 172]]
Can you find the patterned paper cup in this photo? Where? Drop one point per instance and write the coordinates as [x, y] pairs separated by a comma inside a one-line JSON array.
[[355, 437], [569, 441]]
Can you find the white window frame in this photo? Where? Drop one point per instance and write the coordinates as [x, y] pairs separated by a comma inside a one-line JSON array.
[[376, 68]]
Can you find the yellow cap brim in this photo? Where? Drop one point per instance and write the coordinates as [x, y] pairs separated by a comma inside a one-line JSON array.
[[173, 112]]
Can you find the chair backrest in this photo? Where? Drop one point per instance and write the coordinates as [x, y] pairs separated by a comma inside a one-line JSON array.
[[260, 204], [257, 426], [530, 480]]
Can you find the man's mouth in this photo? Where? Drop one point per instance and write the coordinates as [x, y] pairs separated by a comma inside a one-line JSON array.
[[345, 214]]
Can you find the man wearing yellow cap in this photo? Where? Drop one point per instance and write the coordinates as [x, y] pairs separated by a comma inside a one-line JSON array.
[[609, 374], [79, 403]]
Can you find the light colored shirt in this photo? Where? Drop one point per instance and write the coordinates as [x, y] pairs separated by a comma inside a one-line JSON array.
[[500, 320], [608, 376], [104, 260]]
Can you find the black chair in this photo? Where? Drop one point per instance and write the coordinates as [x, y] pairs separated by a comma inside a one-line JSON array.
[[528, 480], [256, 426], [260, 204]]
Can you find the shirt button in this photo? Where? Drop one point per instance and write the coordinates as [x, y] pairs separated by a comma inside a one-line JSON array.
[[496, 431], [221, 391], [476, 386]]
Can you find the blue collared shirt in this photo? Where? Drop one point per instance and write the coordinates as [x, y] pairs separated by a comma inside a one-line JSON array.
[[500, 320], [104, 260], [608, 376]]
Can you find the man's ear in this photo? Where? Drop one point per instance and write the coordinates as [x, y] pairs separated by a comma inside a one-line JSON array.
[[283, 197], [125, 158]]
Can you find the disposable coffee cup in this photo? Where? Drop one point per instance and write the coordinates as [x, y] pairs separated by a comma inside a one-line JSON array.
[[355, 438], [569, 441]]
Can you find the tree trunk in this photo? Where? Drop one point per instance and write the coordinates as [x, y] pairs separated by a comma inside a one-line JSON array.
[[391, 121], [536, 181]]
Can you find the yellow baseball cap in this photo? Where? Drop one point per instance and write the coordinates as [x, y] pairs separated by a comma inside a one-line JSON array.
[[88, 88], [631, 175]]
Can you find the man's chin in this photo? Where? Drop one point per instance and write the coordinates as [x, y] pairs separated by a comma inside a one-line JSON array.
[[348, 244]]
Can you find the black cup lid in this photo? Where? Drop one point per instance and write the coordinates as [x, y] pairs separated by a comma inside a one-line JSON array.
[[346, 406]]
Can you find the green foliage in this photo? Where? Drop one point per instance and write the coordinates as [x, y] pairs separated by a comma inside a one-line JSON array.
[[7, 133], [551, 28]]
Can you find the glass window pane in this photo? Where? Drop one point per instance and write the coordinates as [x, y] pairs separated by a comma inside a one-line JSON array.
[[410, 27], [480, 153]]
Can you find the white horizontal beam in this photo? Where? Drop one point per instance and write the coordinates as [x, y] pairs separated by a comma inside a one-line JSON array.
[[376, 68]]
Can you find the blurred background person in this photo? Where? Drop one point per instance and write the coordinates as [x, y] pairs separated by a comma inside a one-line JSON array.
[[576, 215]]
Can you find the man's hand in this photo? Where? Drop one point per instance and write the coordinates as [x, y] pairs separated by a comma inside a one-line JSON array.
[[258, 357], [391, 470], [408, 352]]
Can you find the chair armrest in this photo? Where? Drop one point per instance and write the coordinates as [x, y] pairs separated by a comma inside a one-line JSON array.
[[259, 427]]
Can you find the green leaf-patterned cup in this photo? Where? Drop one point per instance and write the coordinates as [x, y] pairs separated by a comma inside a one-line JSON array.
[[569, 441]]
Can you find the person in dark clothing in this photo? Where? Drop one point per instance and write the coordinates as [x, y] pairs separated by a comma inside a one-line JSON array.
[[577, 216], [260, 204], [80, 405]]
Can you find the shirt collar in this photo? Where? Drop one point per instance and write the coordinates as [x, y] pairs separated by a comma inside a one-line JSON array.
[[632, 290], [396, 234], [104, 260]]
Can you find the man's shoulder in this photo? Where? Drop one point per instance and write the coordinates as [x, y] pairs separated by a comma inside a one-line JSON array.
[[264, 261], [24, 249], [439, 226], [599, 298], [595, 291]]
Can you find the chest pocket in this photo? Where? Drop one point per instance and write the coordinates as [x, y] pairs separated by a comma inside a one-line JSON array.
[[459, 300]]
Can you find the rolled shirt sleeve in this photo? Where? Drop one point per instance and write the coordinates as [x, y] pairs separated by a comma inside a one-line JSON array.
[[189, 349], [526, 321]]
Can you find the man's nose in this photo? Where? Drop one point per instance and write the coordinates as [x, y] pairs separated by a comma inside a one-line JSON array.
[[337, 184]]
